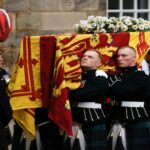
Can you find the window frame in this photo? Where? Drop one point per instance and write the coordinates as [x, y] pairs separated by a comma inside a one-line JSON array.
[[135, 10]]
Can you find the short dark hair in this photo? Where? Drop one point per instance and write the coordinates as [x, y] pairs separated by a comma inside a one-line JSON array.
[[130, 47], [99, 54]]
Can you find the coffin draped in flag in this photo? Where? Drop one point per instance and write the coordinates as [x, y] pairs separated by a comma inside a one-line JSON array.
[[49, 66], [67, 70]]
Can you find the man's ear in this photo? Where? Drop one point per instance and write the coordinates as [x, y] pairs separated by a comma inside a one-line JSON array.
[[99, 63]]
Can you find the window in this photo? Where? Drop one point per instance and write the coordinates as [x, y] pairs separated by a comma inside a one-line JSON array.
[[133, 8]]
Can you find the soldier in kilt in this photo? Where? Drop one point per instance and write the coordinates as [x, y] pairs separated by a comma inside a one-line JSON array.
[[129, 91], [88, 105]]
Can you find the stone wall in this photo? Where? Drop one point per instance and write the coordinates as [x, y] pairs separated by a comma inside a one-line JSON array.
[[40, 17]]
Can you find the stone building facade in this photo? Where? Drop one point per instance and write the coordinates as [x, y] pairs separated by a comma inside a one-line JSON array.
[[42, 17]]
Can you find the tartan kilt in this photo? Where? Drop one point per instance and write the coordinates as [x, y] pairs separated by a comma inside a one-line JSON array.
[[96, 136], [138, 135]]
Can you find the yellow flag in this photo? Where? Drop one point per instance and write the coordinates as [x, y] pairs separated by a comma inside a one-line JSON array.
[[25, 86]]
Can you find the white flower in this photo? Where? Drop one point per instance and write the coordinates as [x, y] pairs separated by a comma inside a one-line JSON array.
[[146, 24], [111, 26], [119, 24], [101, 73], [116, 29], [103, 31], [124, 28], [135, 27], [128, 22], [141, 20], [91, 19], [76, 26], [141, 27]]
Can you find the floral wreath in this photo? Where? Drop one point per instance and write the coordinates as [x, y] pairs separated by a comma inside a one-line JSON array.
[[100, 24]]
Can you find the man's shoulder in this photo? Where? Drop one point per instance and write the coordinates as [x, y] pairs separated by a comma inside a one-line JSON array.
[[141, 72]]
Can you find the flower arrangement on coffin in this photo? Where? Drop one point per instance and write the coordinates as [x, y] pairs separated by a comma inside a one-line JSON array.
[[100, 24]]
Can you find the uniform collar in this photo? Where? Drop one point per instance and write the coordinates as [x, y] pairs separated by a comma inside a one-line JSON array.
[[129, 69], [89, 73]]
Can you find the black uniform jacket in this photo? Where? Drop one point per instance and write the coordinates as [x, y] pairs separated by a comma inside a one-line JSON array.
[[130, 85], [5, 108], [94, 90]]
